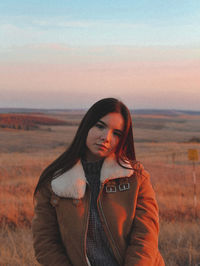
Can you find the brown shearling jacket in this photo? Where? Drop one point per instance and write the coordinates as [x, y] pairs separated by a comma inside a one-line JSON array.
[[127, 208]]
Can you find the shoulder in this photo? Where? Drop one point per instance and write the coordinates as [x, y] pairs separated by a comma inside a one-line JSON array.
[[140, 172], [44, 191]]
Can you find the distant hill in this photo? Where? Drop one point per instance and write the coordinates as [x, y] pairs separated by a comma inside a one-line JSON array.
[[170, 112], [37, 111], [27, 121], [164, 112]]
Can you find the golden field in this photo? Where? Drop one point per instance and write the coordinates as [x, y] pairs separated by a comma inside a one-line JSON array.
[[162, 142]]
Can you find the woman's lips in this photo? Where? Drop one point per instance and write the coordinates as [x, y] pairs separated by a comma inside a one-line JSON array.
[[102, 146]]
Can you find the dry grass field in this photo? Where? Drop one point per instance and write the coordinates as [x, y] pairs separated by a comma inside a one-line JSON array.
[[161, 145]]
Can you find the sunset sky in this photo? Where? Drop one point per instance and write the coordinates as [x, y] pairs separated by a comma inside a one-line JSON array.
[[68, 54]]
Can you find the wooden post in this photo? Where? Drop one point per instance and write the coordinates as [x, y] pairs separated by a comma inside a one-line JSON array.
[[193, 156], [195, 190]]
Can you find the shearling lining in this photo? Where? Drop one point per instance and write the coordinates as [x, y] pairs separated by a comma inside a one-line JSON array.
[[72, 184]]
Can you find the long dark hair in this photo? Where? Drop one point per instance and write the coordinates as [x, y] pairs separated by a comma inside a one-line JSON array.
[[125, 149]]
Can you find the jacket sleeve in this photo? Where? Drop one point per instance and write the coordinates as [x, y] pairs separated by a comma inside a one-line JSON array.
[[47, 243], [143, 242]]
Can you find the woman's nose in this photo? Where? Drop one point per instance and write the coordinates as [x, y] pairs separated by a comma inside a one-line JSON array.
[[106, 135]]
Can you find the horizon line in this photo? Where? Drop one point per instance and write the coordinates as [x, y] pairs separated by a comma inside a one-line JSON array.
[[84, 109]]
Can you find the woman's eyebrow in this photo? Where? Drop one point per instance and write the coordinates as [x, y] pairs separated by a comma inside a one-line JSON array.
[[100, 121]]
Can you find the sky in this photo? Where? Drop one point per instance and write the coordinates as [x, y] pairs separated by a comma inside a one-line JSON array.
[[69, 54]]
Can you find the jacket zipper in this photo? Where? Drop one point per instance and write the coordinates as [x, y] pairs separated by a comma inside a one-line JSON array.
[[85, 237], [101, 213]]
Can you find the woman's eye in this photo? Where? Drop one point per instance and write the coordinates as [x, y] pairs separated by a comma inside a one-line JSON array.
[[117, 134], [99, 126]]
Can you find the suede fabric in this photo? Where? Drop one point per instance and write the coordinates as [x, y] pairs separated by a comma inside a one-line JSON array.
[[127, 209]]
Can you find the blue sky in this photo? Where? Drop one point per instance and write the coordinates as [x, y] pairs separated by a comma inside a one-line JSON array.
[[141, 22], [148, 46], [143, 10]]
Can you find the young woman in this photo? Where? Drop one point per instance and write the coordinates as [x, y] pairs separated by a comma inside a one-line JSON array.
[[95, 205]]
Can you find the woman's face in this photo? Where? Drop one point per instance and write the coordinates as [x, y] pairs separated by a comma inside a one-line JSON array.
[[103, 138]]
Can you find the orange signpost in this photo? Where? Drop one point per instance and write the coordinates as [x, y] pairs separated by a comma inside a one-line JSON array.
[[193, 156]]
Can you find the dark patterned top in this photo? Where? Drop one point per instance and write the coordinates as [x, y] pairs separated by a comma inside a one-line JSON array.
[[98, 249]]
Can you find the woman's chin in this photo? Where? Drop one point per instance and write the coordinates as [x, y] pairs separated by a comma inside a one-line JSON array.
[[94, 156], [99, 155]]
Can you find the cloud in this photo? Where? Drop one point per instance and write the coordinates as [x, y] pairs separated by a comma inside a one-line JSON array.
[[96, 32], [63, 24], [95, 56]]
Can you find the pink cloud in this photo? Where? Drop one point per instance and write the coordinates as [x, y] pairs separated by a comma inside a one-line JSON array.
[[176, 77]]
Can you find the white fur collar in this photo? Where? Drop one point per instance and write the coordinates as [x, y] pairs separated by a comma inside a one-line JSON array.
[[72, 184]]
